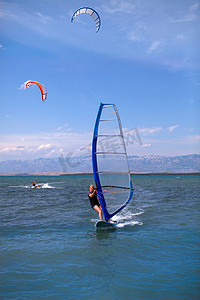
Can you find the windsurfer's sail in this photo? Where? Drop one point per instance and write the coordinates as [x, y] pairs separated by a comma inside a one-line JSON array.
[[110, 163]]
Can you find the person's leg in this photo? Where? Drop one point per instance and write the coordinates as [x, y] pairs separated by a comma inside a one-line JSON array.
[[99, 210]]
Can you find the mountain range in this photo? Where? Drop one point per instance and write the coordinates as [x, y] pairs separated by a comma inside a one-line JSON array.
[[138, 164]]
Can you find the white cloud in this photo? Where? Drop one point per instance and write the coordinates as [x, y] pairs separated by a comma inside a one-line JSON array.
[[6, 149], [146, 145], [193, 139], [176, 64], [146, 131], [53, 144], [133, 36], [12, 149], [171, 128], [44, 19], [154, 46], [139, 34], [18, 14], [63, 127], [47, 146], [50, 144], [119, 7], [185, 19], [6, 13], [190, 17], [181, 37], [194, 7]]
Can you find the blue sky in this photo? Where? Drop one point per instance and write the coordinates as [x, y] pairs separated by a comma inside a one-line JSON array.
[[145, 59]]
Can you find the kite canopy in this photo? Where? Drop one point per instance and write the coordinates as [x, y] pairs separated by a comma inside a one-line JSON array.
[[41, 87], [91, 12]]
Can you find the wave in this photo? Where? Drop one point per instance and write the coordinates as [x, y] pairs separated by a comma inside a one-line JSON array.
[[126, 218], [129, 223], [41, 185], [47, 186]]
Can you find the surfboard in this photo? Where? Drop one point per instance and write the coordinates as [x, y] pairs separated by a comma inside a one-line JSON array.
[[105, 225], [110, 163]]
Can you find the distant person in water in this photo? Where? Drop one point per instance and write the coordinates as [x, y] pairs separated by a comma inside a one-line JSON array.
[[94, 201], [35, 186]]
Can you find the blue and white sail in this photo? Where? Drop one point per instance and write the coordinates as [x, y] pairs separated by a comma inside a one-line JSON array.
[[110, 163]]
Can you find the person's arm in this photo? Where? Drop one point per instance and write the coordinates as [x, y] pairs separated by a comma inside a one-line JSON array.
[[92, 194]]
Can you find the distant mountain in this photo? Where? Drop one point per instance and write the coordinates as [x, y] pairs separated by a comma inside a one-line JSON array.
[[149, 164], [156, 163]]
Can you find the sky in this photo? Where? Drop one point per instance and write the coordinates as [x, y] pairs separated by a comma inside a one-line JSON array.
[[145, 59]]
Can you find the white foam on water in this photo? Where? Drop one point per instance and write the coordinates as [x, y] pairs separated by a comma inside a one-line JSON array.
[[47, 186], [41, 185], [126, 215], [129, 223], [128, 218], [20, 186], [121, 224], [94, 220]]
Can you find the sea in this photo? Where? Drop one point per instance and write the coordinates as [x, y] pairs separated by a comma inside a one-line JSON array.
[[50, 247]]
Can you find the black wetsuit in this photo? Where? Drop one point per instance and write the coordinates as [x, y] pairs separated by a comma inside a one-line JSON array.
[[93, 200]]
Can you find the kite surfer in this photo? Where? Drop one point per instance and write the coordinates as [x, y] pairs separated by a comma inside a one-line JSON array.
[[35, 186], [92, 195]]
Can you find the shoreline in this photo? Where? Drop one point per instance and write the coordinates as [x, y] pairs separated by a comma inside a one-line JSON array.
[[84, 173]]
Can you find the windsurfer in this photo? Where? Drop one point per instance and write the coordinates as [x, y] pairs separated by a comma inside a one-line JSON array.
[[94, 201]]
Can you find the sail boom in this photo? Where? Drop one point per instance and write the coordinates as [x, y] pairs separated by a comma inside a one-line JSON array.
[[115, 186]]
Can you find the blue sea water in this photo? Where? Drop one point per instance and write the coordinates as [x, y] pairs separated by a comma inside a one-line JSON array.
[[50, 248]]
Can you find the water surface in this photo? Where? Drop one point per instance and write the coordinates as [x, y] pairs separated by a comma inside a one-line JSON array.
[[50, 248]]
